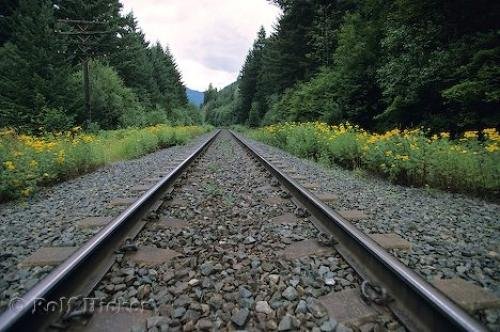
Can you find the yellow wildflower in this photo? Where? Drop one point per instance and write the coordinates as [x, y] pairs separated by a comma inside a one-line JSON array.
[[470, 134], [7, 132], [90, 138], [26, 192], [9, 165], [60, 157], [33, 163], [491, 134], [492, 148]]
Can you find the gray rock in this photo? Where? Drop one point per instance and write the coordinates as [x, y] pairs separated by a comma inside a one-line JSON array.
[[216, 301], [301, 307], [342, 328], [274, 278], [328, 325], [316, 308], [263, 307], [155, 321], [143, 291], [286, 323], [290, 293], [271, 325], [240, 317], [207, 268], [249, 240], [193, 282], [179, 312], [329, 279], [323, 270], [204, 324], [138, 328], [245, 293]]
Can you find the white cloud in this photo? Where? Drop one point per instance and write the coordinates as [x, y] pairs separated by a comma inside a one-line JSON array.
[[208, 38]]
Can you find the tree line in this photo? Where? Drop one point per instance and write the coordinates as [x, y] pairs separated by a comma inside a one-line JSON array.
[[133, 83], [380, 64]]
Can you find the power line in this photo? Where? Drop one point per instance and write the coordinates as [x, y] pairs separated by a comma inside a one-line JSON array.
[[84, 35]]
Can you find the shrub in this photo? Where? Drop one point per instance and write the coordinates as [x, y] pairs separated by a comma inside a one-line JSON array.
[[28, 162], [55, 119], [110, 98], [470, 163]]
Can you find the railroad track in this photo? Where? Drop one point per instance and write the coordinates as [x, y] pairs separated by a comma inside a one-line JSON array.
[[235, 243]]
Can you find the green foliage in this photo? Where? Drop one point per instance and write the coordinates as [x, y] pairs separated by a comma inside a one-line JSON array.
[[33, 72], [440, 56], [132, 83], [219, 107], [110, 98], [28, 162], [310, 100], [107, 12], [249, 107], [379, 64], [56, 119], [410, 157], [6, 11]]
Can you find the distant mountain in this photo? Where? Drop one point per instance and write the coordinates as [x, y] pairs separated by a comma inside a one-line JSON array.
[[194, 97]]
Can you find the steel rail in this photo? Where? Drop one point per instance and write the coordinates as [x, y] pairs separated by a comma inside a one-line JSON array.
[[79, 274], [416, 303]]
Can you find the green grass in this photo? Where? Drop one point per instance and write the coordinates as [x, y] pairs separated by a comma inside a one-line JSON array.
[[27, 162], [469, 164]]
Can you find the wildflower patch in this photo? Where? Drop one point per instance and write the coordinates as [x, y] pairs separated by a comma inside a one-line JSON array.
[[28, 162], [469, 163]]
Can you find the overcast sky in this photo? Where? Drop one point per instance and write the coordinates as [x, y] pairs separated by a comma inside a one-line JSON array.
[[208, 38]]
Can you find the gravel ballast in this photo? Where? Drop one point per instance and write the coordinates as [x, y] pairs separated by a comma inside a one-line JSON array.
[[50, 218], [233, 271], [452, 235]]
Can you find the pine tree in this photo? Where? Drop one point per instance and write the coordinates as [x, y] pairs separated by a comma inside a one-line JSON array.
[[131, 59], [6, 10], [248, 81], [105, 12], [33, 70], [209, 95], [286, 57], [168, 78]]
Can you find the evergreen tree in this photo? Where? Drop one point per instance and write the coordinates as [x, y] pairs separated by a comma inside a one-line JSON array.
[[250, 97], [209, 95], [132, 61], [33, 71], [168, 78], [6, 10], [439, 66], [105, 12], [286, 57]]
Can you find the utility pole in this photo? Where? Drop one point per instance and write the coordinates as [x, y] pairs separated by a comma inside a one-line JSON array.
[[86, 88], [84, 34]]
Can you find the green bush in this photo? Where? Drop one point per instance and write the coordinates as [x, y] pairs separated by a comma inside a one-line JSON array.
[[28, 162], [412, 157], [55, 119], [110, 98]]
